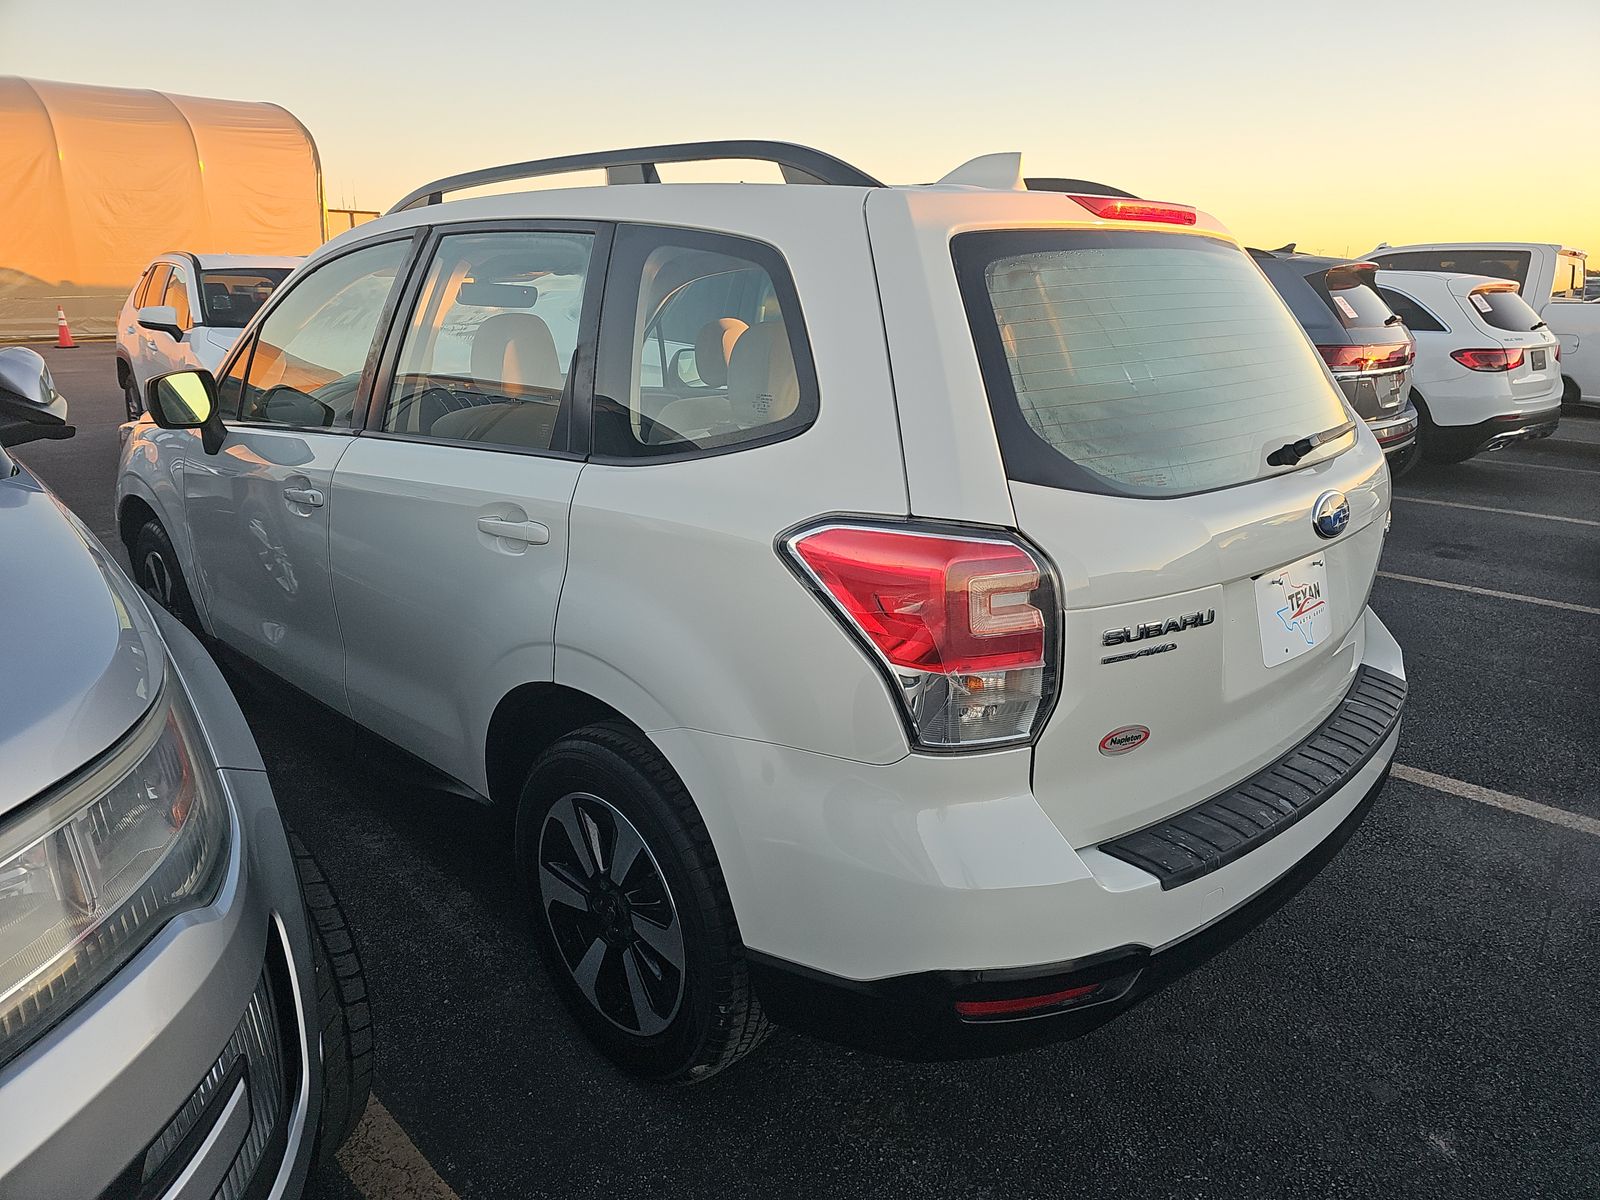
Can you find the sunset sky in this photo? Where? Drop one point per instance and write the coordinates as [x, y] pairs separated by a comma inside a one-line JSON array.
[[1335, 125]]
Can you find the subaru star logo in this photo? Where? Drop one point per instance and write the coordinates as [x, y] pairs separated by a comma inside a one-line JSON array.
[[1330, 514]]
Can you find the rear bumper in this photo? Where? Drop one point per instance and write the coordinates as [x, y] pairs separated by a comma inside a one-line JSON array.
[[863, 887], [915, 1016], [1498, 432], [1396, 433]]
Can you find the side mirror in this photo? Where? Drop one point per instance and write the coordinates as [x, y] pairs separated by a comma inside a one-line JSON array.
[[30, 406], [187, 400], [161, 318]]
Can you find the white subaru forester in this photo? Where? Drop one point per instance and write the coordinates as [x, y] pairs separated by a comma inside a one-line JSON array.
[[931, 616]]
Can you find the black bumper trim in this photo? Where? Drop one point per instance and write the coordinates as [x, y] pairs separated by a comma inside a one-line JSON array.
[[1218, 831], [913, 1016]]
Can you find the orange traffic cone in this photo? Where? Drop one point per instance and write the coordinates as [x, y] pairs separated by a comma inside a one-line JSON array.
[[63, 334]]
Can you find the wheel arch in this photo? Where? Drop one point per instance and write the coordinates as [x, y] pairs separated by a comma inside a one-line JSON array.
[[528, 720]]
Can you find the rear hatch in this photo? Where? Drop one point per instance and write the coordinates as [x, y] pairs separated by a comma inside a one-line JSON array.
[[1506, 320], [1373, 362], [1143, 386]]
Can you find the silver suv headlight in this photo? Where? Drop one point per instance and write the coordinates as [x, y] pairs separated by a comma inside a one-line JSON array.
[[91, 871]]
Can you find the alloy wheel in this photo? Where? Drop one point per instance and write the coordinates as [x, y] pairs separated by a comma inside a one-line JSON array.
[[157, 577], [611, 913]]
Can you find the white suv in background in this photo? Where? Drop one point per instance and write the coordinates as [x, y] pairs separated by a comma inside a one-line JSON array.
[[186, 311], [932, 616], [1488, 369]]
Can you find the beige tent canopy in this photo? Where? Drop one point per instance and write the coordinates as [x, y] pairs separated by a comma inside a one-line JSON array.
[[95, 181]]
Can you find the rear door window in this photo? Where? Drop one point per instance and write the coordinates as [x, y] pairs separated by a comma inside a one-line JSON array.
[[1416, 318], [1138, 364], [231, 297], [1503, 310]]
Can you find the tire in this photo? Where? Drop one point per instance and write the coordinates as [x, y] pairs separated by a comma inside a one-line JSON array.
[[666, 991], [1571, 396], [343, 1015], [1437, 445], [156, 571], [131, 398]]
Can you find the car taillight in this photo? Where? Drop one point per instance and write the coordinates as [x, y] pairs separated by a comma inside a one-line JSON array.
[[1496, 359], [1342, 359], [1120, 208], [963, 626]]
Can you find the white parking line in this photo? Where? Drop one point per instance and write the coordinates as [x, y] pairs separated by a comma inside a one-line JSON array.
[[384, 1164], [1478, 591], [1510, 512], [1504, 800], [1519, 464]]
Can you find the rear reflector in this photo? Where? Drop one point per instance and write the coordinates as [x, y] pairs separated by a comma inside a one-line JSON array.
[[963, 626], [979, 1009], [1497, 359], [1349, 359], [1117, 208]]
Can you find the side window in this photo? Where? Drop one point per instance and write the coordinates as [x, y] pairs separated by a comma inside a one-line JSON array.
[[489, 349], [141, 287], [157, 286], [177, 296], [703, 347], [312, 348], [1417, 318]]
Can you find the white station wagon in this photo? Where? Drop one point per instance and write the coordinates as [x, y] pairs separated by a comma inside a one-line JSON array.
[[930, 616]]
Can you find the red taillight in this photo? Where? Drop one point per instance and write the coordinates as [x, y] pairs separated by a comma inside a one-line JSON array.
[[1368, 358], [1557, 348], [963, 624], [1024, 1004], [1121, 208], [932, 603], [1496, 359]]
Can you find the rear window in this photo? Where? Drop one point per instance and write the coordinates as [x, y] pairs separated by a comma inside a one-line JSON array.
[[1357, 306], [233, 296], [1497, 264], [1504, 310], [1138, 364]]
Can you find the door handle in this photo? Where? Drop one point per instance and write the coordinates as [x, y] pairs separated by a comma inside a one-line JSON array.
[[310, 497], [531, 532]]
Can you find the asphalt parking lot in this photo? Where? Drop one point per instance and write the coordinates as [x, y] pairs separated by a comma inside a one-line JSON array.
[[1421, 1021]]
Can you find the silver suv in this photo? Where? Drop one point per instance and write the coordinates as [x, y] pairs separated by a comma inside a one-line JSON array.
[[175, 1019]]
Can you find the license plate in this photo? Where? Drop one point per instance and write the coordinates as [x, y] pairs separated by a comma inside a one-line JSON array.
[[1292, 609], [1536, 359]]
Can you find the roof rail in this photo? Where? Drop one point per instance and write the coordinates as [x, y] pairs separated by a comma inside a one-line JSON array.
[[800, 164]]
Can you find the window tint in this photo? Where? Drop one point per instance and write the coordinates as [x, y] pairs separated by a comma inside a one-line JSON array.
[[230, 298], [1138, 364], [157, 286], [488, 353], [1503, 310], [313, 346], [705, 348], [177, 297], [1497, 264], [140, 288], [1417, 318]]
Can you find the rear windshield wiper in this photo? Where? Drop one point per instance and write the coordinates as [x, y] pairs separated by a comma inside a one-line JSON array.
[[1539, 325], [1393, 319], [1290, 453]]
